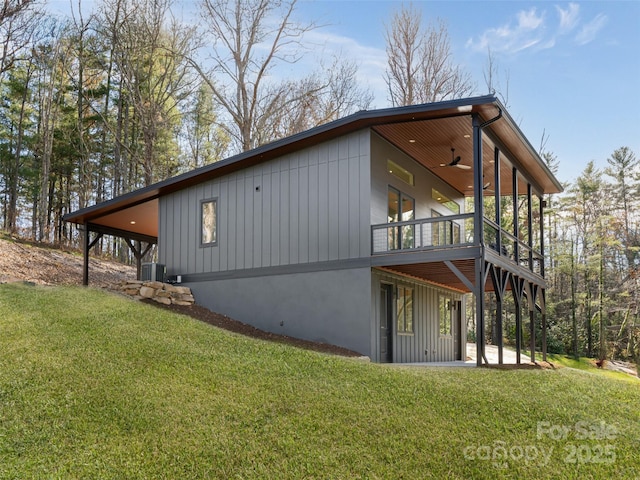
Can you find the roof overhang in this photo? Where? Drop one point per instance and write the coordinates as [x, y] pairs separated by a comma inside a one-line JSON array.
[[435, 128]]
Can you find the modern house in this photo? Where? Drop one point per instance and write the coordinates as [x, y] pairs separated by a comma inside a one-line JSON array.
[[366, 232]]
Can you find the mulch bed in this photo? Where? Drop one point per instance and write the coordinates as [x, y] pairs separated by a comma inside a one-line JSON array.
[[205, 315]]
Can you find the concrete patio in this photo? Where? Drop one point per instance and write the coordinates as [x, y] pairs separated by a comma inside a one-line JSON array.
[[491, 352]]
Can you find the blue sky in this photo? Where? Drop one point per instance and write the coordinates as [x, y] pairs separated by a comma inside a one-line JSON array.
[[573, 67]]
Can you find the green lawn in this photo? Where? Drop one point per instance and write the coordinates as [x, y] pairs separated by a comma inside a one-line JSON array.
[[587, 365], [93, 385]]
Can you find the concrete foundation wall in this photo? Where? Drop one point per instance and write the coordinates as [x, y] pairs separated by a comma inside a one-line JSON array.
[[323, 306]]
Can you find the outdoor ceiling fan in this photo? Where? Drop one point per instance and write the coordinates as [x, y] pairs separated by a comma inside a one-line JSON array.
[[455, 161]]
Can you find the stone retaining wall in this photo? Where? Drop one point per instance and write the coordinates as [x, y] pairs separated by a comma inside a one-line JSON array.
[[164, 293]]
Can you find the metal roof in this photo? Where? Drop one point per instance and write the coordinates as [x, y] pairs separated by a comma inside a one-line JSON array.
[[425, 132]]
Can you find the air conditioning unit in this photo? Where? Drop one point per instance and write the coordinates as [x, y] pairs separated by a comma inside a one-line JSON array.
[[153, 272]]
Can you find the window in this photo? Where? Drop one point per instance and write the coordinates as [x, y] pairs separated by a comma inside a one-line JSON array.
[[404, 309], [402, 173], [438, 230], [444, 314], [446, 201], [456, 234], [401, 208], [209, 222], [444, 232]]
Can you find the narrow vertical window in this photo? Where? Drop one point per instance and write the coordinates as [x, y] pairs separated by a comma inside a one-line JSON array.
[[445, 306], [456, 234], [404, 310], [209, 221], [401, 208], [393, 215]]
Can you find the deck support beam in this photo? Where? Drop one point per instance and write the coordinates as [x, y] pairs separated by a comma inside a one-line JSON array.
[[139, 254], [129, 237], [500, 279], [461, 276], [516, 290], [543, 314]]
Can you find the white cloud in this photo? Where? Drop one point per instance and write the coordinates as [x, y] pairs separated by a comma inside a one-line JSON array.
[[528, 30], [529, 20], [568, 18], [589, 31], [371, 61], [511, 38]]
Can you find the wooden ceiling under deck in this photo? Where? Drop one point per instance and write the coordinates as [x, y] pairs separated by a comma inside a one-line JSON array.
[[429, 142], [438, 273]]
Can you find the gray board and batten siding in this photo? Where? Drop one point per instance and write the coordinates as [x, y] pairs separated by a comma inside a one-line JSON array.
[[309, 206], [425, 343], [293, 247], [293, 250]]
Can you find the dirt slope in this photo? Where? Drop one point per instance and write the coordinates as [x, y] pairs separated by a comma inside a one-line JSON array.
[[22, 261]]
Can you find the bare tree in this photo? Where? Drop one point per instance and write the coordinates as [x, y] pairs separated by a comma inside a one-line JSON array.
[[493, 81], [251, 39], [149, 50], [318, 99], [48, 57], [18, 19], [420, 68], [205, 142]]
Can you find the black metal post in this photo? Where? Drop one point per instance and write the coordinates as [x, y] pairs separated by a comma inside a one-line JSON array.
[[497, 194], [530, 225], [542, 205], [532, 321], [478, 235], [85, 255], [516, 290], [516, 220]]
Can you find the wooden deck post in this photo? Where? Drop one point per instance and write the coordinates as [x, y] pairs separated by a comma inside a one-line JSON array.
[[499, 332], [479, 298], [543, 311]]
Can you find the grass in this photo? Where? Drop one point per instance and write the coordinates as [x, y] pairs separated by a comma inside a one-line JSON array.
[[93, 385], [587, 364]]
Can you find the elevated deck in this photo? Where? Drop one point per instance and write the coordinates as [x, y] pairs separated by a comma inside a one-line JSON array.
[[441, 250]]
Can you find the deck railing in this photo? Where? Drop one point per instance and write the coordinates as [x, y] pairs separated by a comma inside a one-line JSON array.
[[449, 232], [423, 234], [512, 247]]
